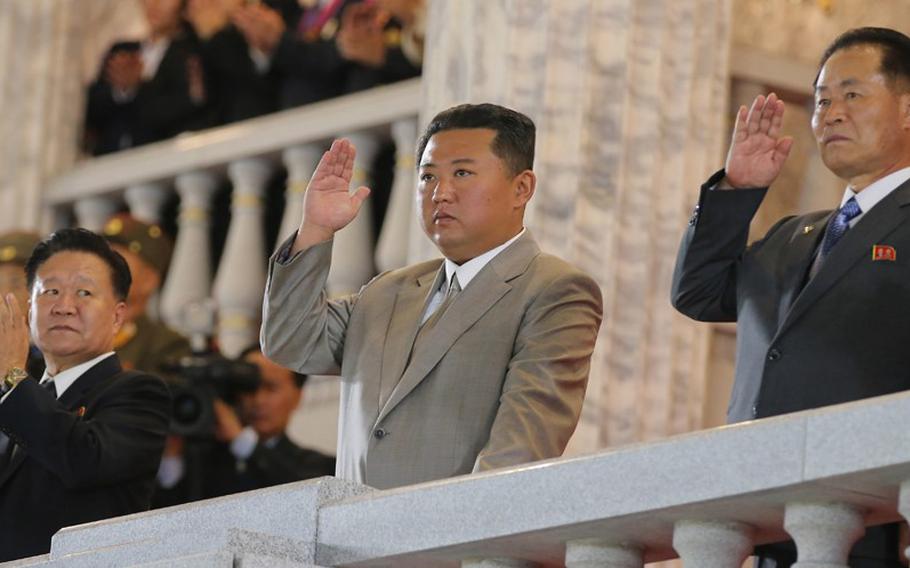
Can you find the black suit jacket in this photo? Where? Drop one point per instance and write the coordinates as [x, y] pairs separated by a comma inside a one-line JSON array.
[[161, 108], [801, 344], [214, 471], [90, 455]]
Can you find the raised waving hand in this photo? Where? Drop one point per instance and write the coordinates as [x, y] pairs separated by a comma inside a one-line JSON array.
[[758, 151], [329, 205]]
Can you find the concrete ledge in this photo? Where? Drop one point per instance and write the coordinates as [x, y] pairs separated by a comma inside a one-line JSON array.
[[278, 521], [744, 473]]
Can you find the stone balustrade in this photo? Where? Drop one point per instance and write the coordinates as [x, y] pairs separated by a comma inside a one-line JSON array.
[[707, 497], [246, 155]]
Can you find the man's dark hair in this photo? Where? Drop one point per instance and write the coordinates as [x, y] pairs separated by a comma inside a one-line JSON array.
[[893, 45], [299, 378], [81, 240], [514, 140]]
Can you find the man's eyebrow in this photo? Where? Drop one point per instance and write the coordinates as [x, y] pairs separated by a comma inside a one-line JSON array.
[[844, 83], [455, 161], [57, 279]]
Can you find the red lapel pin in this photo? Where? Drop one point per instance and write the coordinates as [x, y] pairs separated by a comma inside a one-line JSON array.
[[884, 252]]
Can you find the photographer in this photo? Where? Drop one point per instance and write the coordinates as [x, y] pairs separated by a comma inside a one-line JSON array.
[[251, 449]]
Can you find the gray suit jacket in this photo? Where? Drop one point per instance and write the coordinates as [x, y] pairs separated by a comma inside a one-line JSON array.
[[500, 380]]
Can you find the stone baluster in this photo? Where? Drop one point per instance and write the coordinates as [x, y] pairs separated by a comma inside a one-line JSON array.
[[300, 162], [496, 563], [712, 544], [824, 533], [392, 247], [189, 277], [241, 275], [93, 212], [597, 553], [352, 252], [146, 200]]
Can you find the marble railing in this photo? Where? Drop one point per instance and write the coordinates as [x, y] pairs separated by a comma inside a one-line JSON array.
[[246, 155], [707, 497]]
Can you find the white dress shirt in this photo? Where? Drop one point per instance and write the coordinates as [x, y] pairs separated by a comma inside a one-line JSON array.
[[465, 272]]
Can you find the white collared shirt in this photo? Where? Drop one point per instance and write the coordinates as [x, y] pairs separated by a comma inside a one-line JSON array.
[[875, 192], [64, 379], [152, 52], [465, 272]]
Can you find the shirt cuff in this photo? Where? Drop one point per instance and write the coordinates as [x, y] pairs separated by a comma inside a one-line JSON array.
[[244, 444], [170, 472], [261, 60], [123, 96]]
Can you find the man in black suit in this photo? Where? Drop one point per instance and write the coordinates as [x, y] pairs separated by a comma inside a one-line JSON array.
[[88, 437], [820, 301], [150, 90]]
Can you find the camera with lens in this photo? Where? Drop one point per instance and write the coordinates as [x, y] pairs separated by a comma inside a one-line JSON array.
[[197, 380]]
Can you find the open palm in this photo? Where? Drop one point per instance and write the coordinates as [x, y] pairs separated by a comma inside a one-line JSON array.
[[757, 152], [329, 205]]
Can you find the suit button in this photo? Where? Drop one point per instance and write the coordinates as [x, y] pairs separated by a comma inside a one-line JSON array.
[[379, 433], [774, 355], [754, 411]]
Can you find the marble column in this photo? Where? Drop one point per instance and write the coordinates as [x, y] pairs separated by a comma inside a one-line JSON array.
[[300, 162], [240, 281], [93, 212], [352, 252], [392, 247], [824, 533], [189, 278], [709, 544], [597, 553], [146, 200]]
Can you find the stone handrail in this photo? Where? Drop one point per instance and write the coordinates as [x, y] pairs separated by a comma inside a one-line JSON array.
[[265, 136], [706, 497]]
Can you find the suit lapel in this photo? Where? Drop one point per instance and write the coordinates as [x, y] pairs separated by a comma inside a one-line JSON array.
[[410, 303], [103, 370], [854, 247], [490, 284], [800, 255]]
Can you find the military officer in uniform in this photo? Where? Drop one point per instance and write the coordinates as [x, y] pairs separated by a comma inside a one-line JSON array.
[[143, 343]]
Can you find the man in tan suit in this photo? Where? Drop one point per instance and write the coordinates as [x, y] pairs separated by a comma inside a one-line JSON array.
[[467, 363]]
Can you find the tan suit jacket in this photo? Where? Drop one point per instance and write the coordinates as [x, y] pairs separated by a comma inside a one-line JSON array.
[[499, 380]]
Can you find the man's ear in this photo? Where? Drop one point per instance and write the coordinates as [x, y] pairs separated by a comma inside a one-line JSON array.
[[119, 315], [905, 110], [525, 184]]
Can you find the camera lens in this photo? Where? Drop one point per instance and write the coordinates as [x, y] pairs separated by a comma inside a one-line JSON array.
[[187, 408]]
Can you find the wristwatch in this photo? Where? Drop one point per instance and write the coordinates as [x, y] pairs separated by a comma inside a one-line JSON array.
[[12, 378]]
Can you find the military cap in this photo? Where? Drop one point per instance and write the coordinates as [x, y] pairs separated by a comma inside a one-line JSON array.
[[147, 241], [17, 246]]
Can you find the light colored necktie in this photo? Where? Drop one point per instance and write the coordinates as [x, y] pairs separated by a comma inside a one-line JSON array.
[[451, 292]]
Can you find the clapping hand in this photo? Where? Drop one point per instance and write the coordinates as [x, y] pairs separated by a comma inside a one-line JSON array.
[[328, 205], [758, 152], [13, 335], [261, 26]]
